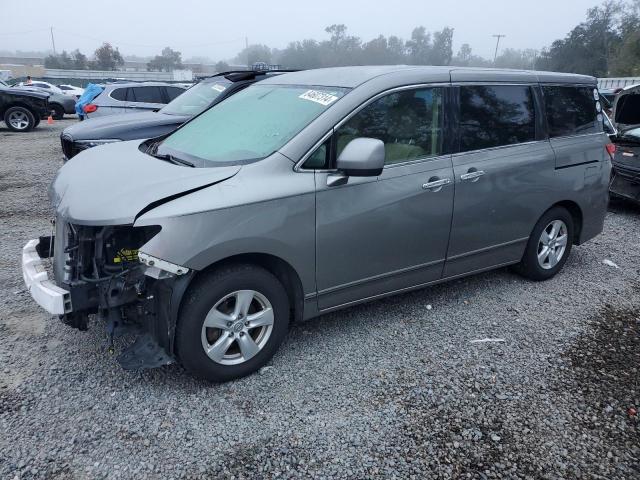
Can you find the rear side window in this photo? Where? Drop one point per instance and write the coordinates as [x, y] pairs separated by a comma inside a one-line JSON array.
[[119, 94], [571, 111], [495, 116], [628, 109], [173, 92], [408, 122], [148, 94]]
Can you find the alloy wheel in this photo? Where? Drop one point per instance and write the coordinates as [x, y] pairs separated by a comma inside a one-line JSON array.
[[19, 120], [552, 244], [238, 327]]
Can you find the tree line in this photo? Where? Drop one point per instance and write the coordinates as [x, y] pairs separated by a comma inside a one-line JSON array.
[[107, 57], [606, 43]]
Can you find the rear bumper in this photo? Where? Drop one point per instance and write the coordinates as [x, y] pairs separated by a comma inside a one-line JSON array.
[[49, 296], [625, 182]]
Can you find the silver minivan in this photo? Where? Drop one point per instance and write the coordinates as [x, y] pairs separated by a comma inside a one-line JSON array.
[[316, 190]]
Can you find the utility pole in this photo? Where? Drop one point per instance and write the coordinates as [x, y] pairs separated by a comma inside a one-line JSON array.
[[497, 37], [53, 42]]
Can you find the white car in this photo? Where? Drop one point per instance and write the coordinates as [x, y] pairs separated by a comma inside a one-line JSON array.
[[71, 90], [40, 84]]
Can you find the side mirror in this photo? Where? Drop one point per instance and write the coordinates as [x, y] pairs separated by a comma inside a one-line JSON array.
[[362, 157]]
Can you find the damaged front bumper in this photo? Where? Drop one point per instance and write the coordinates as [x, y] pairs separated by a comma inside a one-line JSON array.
[[47, 294], [142, 297]]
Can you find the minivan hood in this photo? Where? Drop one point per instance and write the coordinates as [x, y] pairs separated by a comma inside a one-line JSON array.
[[626, 109], [113, 183], [122, 126]]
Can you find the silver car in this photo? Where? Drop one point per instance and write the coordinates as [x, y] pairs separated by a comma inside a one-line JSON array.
[[313, 191], [132, 97]]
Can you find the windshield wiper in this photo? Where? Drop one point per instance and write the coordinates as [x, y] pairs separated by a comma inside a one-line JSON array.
[[174, 160]]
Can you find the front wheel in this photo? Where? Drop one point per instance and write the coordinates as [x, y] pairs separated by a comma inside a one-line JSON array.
[[549, 246], [19, 119], [231, 322]]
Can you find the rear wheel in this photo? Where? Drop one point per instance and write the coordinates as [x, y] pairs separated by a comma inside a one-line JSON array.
[[19, 119], [57, 112], [231, 322], [549, 246]]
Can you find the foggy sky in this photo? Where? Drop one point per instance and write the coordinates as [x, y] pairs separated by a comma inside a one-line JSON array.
[[218, 29]]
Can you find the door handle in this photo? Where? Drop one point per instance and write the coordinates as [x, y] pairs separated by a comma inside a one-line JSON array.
[[471, 175], [436, 185]]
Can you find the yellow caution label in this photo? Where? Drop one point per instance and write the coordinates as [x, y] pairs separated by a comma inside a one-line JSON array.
[[126, 255]]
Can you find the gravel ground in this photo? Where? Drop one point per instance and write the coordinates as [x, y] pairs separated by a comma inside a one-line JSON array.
[[392, 389]]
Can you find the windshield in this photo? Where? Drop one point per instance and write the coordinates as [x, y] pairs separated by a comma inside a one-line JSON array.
[[251, 124], [197, 98]]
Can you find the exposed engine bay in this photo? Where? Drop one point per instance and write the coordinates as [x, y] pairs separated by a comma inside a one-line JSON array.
[[101, 269]]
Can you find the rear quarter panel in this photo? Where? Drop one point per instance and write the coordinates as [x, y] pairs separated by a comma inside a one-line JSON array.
[[583, 170]]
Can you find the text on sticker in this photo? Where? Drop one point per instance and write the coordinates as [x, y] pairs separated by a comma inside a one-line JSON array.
[[322, 98]]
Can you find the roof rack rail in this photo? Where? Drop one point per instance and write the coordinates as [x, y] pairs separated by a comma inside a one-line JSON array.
[[245, 74]]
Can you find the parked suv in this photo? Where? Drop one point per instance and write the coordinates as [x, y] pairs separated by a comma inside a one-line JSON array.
[[22, 110], [625, 181], [141, 125], [312, 191], [131, 97]]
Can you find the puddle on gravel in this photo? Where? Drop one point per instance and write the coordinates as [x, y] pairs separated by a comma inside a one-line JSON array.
[[606, 359]]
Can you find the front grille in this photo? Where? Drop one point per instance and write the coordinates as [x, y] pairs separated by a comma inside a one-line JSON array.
[[68, 147]]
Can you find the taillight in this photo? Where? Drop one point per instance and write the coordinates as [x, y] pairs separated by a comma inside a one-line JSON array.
[[89, 108], [611, 149]]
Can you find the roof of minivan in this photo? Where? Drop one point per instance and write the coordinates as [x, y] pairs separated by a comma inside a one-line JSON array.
[[351, 77]]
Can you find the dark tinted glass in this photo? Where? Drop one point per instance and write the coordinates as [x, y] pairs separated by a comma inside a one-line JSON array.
[[320, 158], [148, 95], [409, 123], [571, 111], [628, 109], [493, 116], [119, 94], [173, 92]]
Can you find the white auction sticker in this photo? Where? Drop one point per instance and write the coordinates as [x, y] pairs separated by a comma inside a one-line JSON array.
[[218, 88], [322, 98]]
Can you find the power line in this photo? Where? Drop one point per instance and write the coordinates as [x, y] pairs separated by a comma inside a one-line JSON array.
[[24, 32], [128, 44]]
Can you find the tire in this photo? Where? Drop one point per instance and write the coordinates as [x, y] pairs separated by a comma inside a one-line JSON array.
[[553, 249], [218, 296], [37, 122], [19, 119], [57, 112]]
